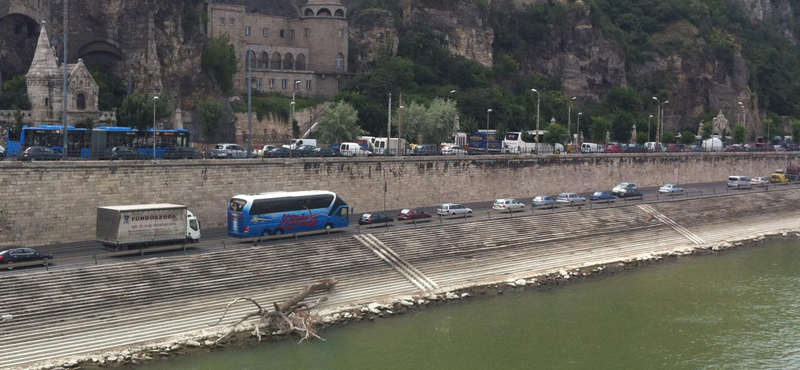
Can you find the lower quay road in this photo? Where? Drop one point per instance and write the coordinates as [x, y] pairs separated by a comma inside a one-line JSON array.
[[93, 308], [90, 252]]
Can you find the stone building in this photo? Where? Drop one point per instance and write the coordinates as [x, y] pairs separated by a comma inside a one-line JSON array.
[[306, 55]]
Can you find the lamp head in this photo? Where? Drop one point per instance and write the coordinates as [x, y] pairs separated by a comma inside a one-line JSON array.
[[155, 97], [489, 110]]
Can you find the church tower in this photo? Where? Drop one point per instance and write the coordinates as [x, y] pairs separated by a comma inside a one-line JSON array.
[[44, 81]]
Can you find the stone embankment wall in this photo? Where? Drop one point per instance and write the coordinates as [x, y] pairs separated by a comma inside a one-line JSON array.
[[43, 203]]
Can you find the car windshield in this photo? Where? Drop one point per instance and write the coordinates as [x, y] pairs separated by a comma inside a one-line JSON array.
[[598, 193], [405, 211], [219, 147]]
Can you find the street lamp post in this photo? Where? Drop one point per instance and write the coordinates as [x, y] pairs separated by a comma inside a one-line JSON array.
[[661, 127], [249, 103], [399, 129], [578, 133], [389, 125], [488, 111], [648, 126], [569, 116], [155, 98], [536, 137], [66, 28], [291, 122]]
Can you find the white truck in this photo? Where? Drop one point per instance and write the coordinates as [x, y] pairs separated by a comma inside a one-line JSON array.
[[380, 145], [143, 225]]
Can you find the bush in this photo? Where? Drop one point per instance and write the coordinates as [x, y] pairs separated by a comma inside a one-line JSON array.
[[219, 60], [211, 114], [136, 111], [15, 94]]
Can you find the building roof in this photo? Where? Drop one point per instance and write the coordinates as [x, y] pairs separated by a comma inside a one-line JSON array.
[[44, 60], [324, 2]]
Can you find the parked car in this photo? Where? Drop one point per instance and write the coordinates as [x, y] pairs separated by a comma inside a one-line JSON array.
[[229, 151], [759, 181], [452, 209], [183, 153], [592, 148], [670, 188], [425, 150], [353, 150], [631, 193], [779, 148], [739, 182], [412, 214], [2, 152], [374, 218], [326, 152], [454, 150], [11, 256], [507, 204], [695, 148], [40, 153], [123, 153], [614, 148], [673, 148], [622, 188], [653, 146], [303, 151], [602, 195], [734, 148], [635, 148], [280, 152], [570, 198], [261, 150], [544, 201]]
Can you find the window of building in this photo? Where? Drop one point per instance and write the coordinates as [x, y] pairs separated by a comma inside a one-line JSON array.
[[339, 61], [221, 21], [282, 33], [296, 84], [233, 22], [284, 83], [46, 102], [341, 84], [248, 31], [260, 82], [308, 84], [265, 32], [308, 32], [341, 33], [80, 102], [291, 33], [271, 83]]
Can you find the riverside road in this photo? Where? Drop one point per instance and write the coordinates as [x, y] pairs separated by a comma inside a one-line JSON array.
[[213, 238]]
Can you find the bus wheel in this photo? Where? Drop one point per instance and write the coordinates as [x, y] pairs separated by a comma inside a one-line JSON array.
[[265, 233], [278, 232], [328, 226]]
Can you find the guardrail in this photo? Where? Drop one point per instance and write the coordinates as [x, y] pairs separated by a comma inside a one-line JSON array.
[[438, 220]]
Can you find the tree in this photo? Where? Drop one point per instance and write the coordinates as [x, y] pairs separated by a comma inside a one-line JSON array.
[[137, 111], [339, 123], [688, 137], [219, 59], [111, 89], [621, 98], [556, 134], [413, 118], [599, 128], [432, 125], [739, 133], [18, 124], [621, 127], [468, 124], [641, 138], [795, 130], [770, 128], [15, 94], [668, 138], [211, 113], [707, 130], [296, 129]]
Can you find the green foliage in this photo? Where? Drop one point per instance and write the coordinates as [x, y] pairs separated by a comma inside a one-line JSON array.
[[599, 127], [211, 114], [688, 137], [18, 124], [668, 137], [707, 130], [295, 129], [507, 66], [190, 20], [219, 60], [795, 127], [468, 124], [621, 126], [641, 138], [112, 89], [15, 94], [276, 105], [136, 111], [739, 133], [431, 125], [770, 128], [620, 98], [556, 134], [339, 123]]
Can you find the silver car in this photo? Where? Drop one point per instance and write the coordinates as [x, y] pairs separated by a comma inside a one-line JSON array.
[[229, 151], [543, 201], [570, 198], [450, 209], [507, 204], [670, 188]]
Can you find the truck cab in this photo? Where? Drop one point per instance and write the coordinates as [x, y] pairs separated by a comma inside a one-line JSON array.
[[192, 228]]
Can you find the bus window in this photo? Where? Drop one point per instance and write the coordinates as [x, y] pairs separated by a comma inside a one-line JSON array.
[[237, 205]]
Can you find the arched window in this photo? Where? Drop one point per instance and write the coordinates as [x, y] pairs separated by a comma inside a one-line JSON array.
[[339, 13], [276, 60], [339, 61], [288, 61], [263, 62], [80, 101], [309, 13], [324, 12], [300, 62]]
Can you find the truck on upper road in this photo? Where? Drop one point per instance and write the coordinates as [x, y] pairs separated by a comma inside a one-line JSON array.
[[143, 225], [479, 140], [788, 174]]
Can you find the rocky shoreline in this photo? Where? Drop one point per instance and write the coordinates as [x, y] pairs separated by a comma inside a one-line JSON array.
[[208, 339]]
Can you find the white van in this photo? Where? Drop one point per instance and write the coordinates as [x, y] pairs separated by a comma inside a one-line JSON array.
[[296, 143], [591, 148], [739, 182], [353, 150]]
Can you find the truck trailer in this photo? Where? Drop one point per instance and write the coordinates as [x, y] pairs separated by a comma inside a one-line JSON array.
[[144, 225]]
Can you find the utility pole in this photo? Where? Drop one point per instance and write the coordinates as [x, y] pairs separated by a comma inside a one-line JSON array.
[[488, 112], [291, 122], [249, 104], [400, 146], [64, 104], [155, 99], [537, 118], [389, 126]]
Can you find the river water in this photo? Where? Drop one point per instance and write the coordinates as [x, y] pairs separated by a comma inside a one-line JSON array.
[[733, 310]]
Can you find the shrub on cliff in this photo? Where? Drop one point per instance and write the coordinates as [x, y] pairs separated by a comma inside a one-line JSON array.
[[219, 60], [15, 94]]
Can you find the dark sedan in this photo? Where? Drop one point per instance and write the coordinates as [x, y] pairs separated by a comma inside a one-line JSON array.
[[40, 153], [277, 153], [183, 153], [374, 218], [304, 151], [630, 193], [425, 150], [412, 214], [327, 152], [9, 257], [602, 196], [123, 153]]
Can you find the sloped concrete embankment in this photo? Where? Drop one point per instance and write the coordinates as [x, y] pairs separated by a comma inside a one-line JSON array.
[[97, 308]]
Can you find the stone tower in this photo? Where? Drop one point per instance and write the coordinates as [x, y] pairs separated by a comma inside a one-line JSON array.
[[45, 80]]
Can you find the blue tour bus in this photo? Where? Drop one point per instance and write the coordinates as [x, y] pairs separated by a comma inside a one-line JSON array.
[[50, 136], [280, 212]]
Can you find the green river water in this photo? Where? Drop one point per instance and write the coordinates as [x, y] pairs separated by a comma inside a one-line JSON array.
[[733, 310]]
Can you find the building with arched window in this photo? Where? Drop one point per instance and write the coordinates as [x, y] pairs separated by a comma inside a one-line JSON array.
[[305, 54]]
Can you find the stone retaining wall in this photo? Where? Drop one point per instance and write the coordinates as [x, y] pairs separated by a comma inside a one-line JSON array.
[[43, 203]]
